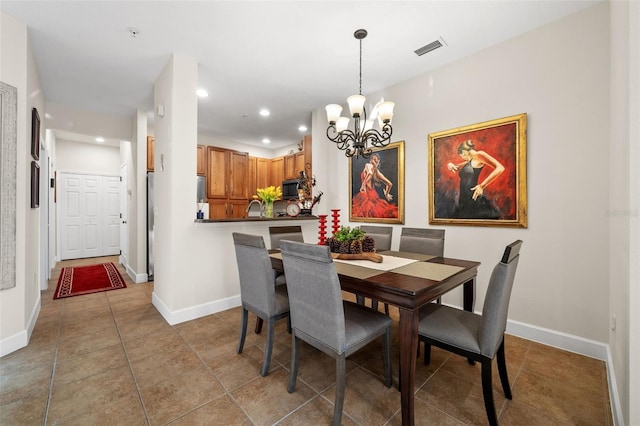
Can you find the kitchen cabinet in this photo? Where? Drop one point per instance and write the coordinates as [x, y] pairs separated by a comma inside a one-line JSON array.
[[202, 160], [276, 171], [257, 174], [227, 182], [293, 165], [227, 209], [150, 145]]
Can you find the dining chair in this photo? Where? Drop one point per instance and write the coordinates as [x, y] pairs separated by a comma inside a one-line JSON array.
[[423, 241], [382, 236], [279, 233], [321, 318], [476, 337], [258, 290]]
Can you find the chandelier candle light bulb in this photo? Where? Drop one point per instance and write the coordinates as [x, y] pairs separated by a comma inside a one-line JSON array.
[[363, 137]]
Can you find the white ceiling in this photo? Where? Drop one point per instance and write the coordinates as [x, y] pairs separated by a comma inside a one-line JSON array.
[[291, 57]]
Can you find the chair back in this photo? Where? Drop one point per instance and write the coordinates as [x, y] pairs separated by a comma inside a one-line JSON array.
[[257, 276], [315, 297], [380, 234], [422, 240], [279, 233], [496, 301]]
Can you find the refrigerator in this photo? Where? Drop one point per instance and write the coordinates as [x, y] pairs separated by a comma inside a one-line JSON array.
[[201, 194]]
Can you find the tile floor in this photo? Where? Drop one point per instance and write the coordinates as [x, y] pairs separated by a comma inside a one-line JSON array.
[[110, 358]]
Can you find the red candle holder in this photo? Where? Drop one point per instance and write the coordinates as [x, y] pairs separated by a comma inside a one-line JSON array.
[[322, 229], [336, 220]]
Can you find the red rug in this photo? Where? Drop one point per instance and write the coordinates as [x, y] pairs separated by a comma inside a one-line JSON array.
[[88, 279]]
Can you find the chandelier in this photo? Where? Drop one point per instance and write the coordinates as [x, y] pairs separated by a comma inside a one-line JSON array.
[[363, 137]]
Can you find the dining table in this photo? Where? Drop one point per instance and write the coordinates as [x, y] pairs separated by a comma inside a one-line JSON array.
[[407, 281]]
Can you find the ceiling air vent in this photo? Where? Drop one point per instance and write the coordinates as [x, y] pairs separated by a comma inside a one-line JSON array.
[[429, 47]]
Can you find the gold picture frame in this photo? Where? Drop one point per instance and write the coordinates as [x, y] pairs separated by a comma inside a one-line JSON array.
[[478, 174], [376, 186]]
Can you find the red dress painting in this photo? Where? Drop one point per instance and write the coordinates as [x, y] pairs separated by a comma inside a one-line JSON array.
[[368, 202]]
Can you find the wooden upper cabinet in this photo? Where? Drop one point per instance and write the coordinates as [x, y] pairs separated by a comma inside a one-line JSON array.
[[290, 167], [150, 146], [252, 178], [218, 167], [238, 175], [276, 171], [262, 175], [299, 163], [202, 160]]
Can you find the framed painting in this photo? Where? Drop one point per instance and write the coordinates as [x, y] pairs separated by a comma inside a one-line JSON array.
[[376, 185], [35, 134], [8, 172], [35, 185], [478, 174]]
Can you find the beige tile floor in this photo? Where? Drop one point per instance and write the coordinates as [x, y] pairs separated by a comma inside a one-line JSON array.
[[110, 358]]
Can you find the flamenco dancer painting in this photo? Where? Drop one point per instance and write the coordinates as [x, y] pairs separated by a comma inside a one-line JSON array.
[[374, 198], [477, 174]]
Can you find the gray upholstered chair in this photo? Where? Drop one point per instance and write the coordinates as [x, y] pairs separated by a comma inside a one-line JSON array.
[[258, 290], [476, 337], [279, 233], [382, 236], [321, 318], [424, 241]]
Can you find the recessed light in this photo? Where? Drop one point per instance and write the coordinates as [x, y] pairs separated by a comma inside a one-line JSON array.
[[99, 139], [302, 128], [265, 112], [266, 140], [202, 93]]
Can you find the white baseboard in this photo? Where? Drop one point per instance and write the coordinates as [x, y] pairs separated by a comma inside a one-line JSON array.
[[564, 341], [193, 312], [21, 339], [137, 278]]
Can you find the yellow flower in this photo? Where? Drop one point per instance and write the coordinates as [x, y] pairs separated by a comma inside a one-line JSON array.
[[269, 194]]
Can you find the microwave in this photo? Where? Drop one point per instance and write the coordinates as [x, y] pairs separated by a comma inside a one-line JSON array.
[[290, 189]]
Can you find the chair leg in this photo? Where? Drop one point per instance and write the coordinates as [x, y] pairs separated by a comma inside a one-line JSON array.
[[243, 330], [427, 353], [259, 322], [386, 358], [271, 329], [340, 387], [487, 392], [374, 304], [502, 369], [386, 309], [295, 350], [359, 299]]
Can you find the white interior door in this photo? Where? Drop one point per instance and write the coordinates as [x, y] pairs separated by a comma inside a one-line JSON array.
[[124, 208], [89, 215], [111, 210]]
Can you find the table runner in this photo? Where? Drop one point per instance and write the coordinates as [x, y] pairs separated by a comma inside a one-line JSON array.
[[364, 269], [428, 270], [407, 255]]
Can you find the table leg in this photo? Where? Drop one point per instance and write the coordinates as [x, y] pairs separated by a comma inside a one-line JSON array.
[[469, 297], [408, 348]]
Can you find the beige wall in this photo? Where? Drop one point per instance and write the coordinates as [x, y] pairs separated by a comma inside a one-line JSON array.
[[19, 306], [86, 157], [562, 88]]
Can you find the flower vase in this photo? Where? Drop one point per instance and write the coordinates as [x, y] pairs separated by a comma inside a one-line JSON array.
[[268, 209]]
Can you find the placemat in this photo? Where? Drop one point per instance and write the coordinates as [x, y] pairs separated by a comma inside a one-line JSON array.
[[406, 255], [430, 271], [388, 262]]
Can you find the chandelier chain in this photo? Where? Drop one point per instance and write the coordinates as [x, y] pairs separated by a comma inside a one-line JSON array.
[[360, 92]]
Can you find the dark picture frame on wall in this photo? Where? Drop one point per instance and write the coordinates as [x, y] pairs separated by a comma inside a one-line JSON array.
[[35, 134], [376, 186], [478, 174], [35, 185]]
